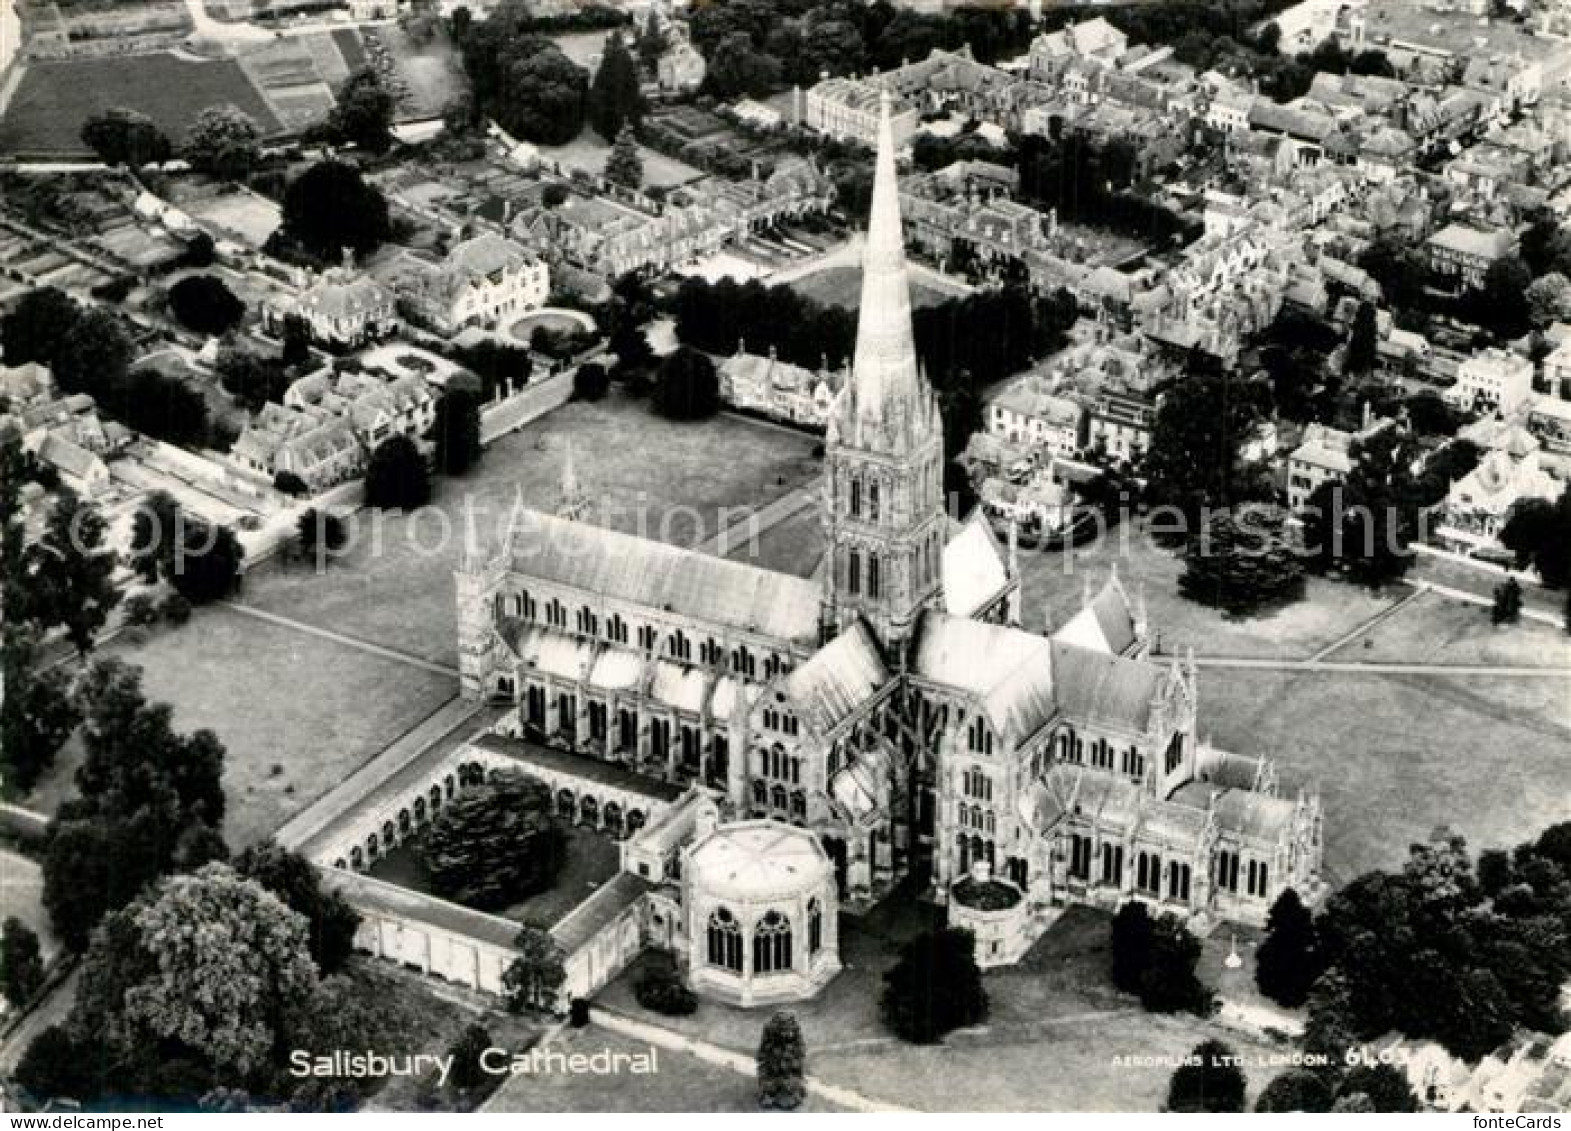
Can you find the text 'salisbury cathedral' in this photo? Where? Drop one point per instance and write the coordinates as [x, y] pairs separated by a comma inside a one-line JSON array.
[[894, 706]]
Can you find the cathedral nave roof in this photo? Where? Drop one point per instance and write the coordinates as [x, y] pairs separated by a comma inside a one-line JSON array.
[[1010, 670], [1100, 688], [709, 590]]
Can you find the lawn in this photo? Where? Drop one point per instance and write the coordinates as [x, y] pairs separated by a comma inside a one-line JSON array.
[[794, 546], [1442, 630], [592, 859], [1395, 756], [680, 1082], [1056, 1007], [296, 713], [431, 71], [589, 151], [841, 286], [54, 98], [663, 479], [1053, 585]]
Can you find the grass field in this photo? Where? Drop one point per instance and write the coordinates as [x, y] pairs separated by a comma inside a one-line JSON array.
[[1053, 585], [309, 709], [1443, 630], [1395, 756], [680, 1082], [54, 98], [656, 477], [589, 151], [795, 546], [842, 286], [1056, 1007]]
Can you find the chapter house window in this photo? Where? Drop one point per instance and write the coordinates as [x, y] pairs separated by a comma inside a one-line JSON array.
[[772, 944], [556, 614], [616, 629], [646, 637], [725, 941], [815, 926]]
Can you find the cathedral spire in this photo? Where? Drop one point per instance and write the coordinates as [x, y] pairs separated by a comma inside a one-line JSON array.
[[887, 390]]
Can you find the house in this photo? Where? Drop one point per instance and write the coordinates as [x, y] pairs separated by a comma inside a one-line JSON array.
[[848, 108], [1324, 455], [1557, 369], [777, 389], [487, 280], [1119, 425], [680, 68], [1026, 412], [1494, 380], [1549, 419], [1052, 53], [1464, 254], [1040, 505], [1478, 504], [83, 471], [342, 309]]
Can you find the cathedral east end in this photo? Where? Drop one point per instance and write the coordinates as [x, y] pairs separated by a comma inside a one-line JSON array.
[[893, 705]]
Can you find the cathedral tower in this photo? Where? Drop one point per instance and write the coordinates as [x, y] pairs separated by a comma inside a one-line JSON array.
[[884, 520]]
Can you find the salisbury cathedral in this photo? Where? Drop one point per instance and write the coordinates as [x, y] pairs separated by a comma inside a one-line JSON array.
[[894, 705]]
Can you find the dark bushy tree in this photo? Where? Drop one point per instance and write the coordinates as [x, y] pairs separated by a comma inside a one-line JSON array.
[[934, 987], [330, 207], [495, 843], [1384, 1084], [534, 978], [1507, 607], [688, 387], [456, 431], [625, 164], [21, 962], [330, 921], [204, 304], [396, 476], [1156, 959], [125, 137], [1209, 1081], [615, 99], [1195, 461], [1288, 960], [662, 989], [1243, 562], [591, 382], [70, 571], [1296, 1090], [363, 113], [57, 1065], [1538, 532], [223, 141], [468, 1073], [782, 1062]]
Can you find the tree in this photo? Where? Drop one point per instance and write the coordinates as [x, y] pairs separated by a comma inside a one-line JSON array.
[[1365, 526], [396, 475], [1209, 1080], [223, 141], [934, 987], [631, 347], [1353, 1103], [1288, 961], [38, 325], [21, 962], [330, 922], [782, 1059], [320, 534], [204, 304], [615, 100], [456, 431], [468, 1073], [330, 207], [363, 113], [37, 713], [1242, 562], [651, 40], [625, 165], [1194, 459], [1295, 1090], [206, 566], [1548, 300], [1362, 340], [688, 387], [71, 573], [251, 379], [1384, 1084], [735, 69], [125, 137], [536, 975], [591, 382], [495, 843], [1508, 602], [56, 1064], [1538, 532], [1156, 959], [144, 792], [1499, 305], [542, 98], [208, 967]]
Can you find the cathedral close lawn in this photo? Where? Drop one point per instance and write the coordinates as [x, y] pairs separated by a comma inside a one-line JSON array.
[[623, 452]]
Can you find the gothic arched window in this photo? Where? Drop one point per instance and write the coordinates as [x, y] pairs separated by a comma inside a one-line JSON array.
[[872, 501], [815, 926], [725, 941], [872, 576], [853, 572], [772, 944]]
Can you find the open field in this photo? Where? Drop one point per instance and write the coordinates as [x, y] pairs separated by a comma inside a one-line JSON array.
[[431, 71], [794, 546], [680, 1082], [54, 98], [1056, 1007], [591, 860], [1053, 585], [663, 479], [589, 151], [1395, 756], [1444, 630], [842, 286], [295, 712]]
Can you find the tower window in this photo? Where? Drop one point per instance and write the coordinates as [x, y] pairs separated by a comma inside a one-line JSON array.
[[872, 501], [853, 572], [856, 498]]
